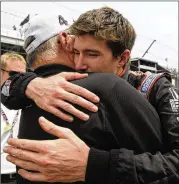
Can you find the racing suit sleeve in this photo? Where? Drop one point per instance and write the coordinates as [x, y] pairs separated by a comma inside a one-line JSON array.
[[12, 91], [123, 166]]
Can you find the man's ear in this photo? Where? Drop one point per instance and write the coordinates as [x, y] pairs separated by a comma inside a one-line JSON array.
[[62, 38], [123, 58]]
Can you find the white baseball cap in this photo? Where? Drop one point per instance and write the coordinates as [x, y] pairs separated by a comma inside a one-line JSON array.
[[40, 29]]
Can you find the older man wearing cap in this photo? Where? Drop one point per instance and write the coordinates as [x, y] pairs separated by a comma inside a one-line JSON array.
[[124, 119]]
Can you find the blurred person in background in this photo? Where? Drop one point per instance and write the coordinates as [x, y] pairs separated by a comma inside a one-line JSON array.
[[10, 62]]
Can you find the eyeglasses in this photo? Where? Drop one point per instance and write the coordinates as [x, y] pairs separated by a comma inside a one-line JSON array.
[[5, 70], [10, 72]]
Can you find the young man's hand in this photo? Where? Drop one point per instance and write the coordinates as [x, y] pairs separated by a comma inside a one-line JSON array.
[[54, 93], [61, 160]]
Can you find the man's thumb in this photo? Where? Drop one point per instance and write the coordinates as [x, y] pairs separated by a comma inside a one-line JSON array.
[[53, 129]]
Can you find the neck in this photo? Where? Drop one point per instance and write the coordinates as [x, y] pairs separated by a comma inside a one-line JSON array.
[[65, 58], [58, 56], [61, 61], [66, 62]]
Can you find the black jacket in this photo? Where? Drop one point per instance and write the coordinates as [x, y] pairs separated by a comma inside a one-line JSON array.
[[121, 162], [159, 168]]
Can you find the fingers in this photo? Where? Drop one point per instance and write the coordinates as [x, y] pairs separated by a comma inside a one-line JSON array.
[[54, 109], [78, 90], [66, 105], [31, 176], [73, 75], [75, 97], [23, 163], [22, 154], [41, 159], [59, 113], [39, 177], [32, 145], [71, 109]]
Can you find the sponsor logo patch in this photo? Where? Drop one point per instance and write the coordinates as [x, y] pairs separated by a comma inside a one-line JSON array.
[[145, 86]]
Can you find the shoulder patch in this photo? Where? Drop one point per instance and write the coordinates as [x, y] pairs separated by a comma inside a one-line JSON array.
[[148, 82], [174, 102]]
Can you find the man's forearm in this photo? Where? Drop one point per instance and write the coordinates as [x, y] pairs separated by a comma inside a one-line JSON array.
[[103, 167], [13, 91], [123, 166], [97, 167]]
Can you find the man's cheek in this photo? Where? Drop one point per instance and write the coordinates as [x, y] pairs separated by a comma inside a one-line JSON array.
[[75, 59]]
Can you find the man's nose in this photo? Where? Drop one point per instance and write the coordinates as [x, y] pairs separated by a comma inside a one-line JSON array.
[[80, 64]]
